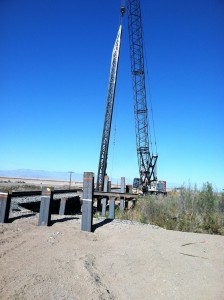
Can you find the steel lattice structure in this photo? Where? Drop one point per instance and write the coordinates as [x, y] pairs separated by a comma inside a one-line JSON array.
[[109, 112], [146, 161]]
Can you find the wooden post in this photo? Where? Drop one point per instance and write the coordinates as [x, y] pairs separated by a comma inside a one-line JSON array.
[[123, 190], [62, 206], [5, 202], [122, 203], [112, 208], [87, 202], [104, 200], [123, 187], [109, 186], [45, 207]]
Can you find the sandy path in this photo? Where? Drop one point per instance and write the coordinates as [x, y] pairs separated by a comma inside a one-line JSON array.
[[117, 261]]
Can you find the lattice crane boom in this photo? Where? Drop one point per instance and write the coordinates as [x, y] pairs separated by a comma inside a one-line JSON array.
[[109, 111], [146, 160]]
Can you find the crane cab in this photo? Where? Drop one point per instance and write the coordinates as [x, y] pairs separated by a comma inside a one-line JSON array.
[[156, 187], [136, 187]]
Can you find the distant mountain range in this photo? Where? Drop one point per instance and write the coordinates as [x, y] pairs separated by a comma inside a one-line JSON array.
[[27, 173], [41, 174]]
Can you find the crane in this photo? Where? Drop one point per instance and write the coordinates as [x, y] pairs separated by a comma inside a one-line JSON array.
[[146, 160]]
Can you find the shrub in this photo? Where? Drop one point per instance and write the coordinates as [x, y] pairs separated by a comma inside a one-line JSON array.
[[187, 210]]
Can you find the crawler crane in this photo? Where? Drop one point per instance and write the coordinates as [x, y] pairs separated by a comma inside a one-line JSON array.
[[147, 181]]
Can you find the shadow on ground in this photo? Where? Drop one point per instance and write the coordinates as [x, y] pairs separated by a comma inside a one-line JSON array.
[[102, 223], [10, 220], [63, 220]]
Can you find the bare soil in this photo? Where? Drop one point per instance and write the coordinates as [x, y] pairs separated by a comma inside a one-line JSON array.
[[119, 260]]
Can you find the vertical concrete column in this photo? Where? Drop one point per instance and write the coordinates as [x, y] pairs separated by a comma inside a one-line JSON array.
[[45, 206], [5, 202], [122, 203], [111, 208], [62, 206], [104, 200], [123, 190], [123, 187], [87, 202]]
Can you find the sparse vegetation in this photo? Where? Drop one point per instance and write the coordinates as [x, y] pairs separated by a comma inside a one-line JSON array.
[[19, 187], [184, 210]]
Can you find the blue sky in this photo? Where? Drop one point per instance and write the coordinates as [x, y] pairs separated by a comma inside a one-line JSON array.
[[54, 69]]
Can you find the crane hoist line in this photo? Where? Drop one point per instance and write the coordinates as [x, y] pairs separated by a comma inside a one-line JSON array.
[[147, 161]]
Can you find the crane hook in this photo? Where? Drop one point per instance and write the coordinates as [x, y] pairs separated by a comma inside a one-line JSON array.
[[122, 10]]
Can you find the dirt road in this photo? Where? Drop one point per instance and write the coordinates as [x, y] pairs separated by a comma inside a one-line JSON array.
[[119, 260]]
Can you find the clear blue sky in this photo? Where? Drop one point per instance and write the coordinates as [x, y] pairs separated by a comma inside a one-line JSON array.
[[54, 69]]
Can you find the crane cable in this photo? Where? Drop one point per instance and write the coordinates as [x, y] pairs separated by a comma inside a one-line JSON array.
[[114, 143], [150, 96], [123, 3]]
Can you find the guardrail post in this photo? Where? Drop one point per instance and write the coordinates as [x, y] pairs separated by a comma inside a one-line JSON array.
[[45, 207], [5, 202], [104, 200], [112, 208], [123, 190], [62, 206], [87, 202]]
